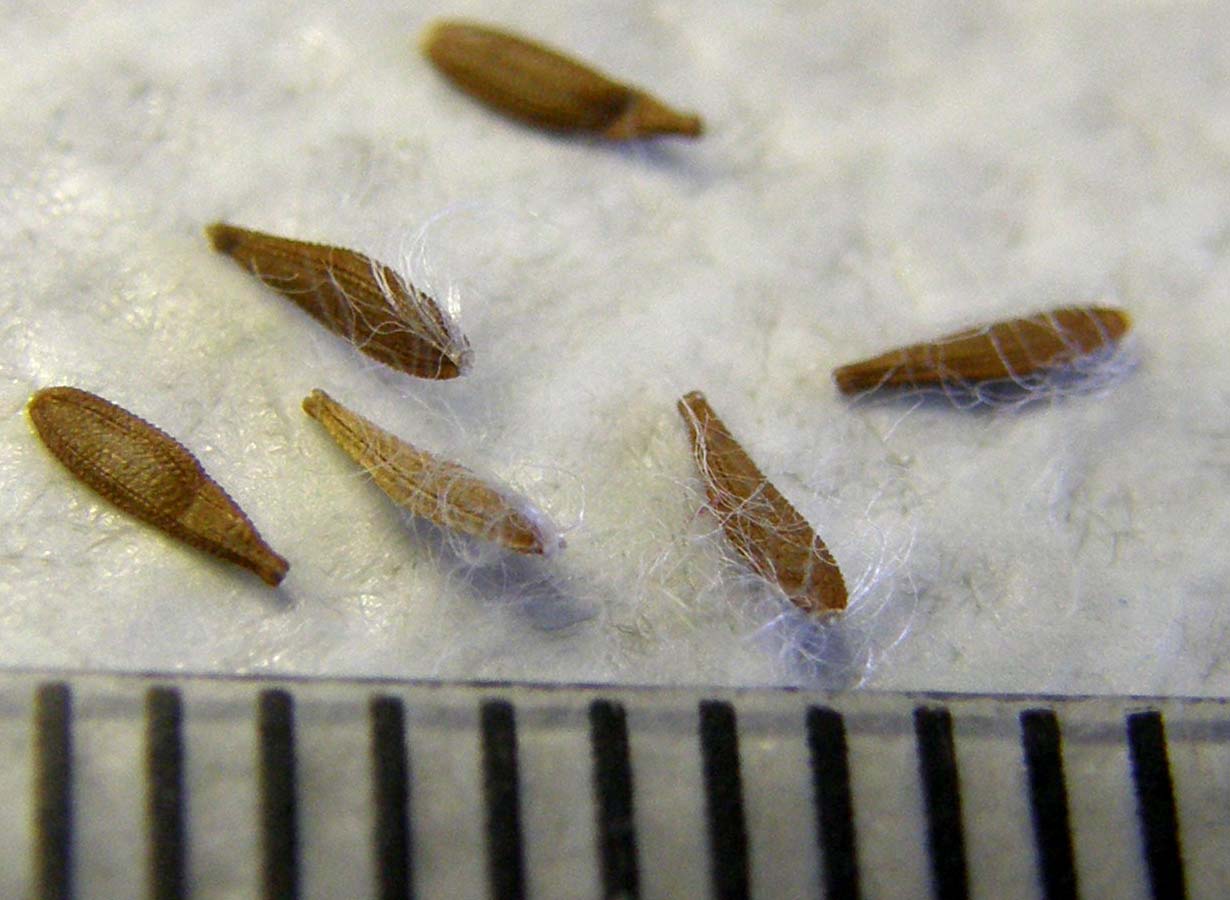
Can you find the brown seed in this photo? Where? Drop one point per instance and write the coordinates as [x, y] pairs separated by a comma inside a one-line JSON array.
[[149, 475], [766, 530], [1005, 350], [536, 84], [448, 494], [364, 301]]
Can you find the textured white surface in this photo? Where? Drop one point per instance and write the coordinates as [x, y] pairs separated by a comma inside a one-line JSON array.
[[873, 174]]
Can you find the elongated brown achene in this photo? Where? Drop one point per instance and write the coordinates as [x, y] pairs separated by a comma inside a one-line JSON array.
[[149, 475], [761, 524], [1010, 349], [444, 492], [362, 300], [541, 86]]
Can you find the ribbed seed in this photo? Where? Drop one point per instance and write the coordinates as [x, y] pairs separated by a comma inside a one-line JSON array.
[[1004, 350], [761, 524], [149, 475], [541, 86], [449, 495], [354, 296]]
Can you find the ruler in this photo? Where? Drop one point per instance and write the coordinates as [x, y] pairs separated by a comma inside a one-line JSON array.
[[169, 786]]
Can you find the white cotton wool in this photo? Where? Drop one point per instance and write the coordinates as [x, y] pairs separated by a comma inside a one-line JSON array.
[[871, 175]]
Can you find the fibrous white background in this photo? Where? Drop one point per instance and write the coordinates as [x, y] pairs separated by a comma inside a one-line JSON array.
[[872, 174]]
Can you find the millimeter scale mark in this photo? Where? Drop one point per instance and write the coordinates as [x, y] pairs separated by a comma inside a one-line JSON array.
[[1048, 797], [1159, 820], [278, 800], [58, 762], [826, 740], [502, 795], [728, 844], [937, 765], [165, 796], [53, 780], [617, 853], [391, 780]]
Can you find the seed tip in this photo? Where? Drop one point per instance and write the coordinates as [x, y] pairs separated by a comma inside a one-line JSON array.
[[273, 570], [431, 34], [221, 236], [692, 397], [463, 359], [45, 401], [548, 550], [690, 125], [451, 366], [646, 116], [846, 379], [1119, 321], [690, 404], [55, 392], [314, 403], [40, 397]]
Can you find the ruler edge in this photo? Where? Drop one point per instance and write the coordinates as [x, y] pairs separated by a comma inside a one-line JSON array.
[[265, 683], [376, 682]]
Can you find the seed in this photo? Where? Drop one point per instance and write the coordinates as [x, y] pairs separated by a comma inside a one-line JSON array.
[[766, 530], [364, 301], [538, 85], [148, 474], [1004, 350], [449, 495]]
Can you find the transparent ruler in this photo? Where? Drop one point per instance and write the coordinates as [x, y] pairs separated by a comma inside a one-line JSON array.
[[152, 786]]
